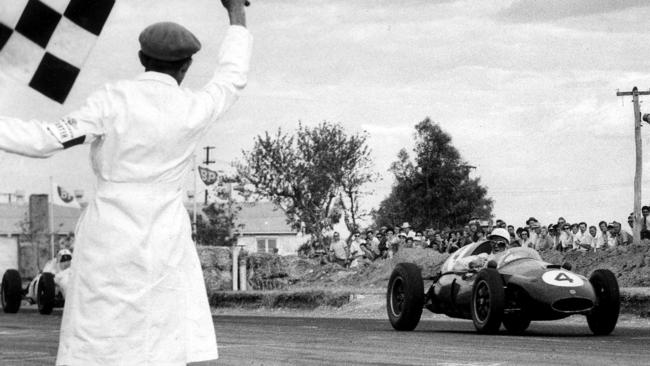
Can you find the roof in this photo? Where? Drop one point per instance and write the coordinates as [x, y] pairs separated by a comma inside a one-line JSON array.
[[257, 218], [263, 218], [11, 215]]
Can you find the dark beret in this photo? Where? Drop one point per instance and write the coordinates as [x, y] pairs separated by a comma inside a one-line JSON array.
[[168, 41]]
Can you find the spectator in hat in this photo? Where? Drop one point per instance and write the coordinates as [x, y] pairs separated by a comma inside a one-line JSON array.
[[407, 229]]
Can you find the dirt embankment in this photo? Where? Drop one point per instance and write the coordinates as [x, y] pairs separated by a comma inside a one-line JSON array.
[[272, 272]]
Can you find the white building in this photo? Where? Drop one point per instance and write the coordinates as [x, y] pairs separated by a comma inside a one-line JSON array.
[[265, 230]]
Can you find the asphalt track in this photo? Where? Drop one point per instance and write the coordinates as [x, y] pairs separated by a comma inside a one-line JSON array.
[[28, 338]]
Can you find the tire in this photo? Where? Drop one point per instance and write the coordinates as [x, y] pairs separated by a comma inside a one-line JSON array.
[[405, 297], [488, 299], [11, 291], [516, 323], [45, 293], [604, 316]]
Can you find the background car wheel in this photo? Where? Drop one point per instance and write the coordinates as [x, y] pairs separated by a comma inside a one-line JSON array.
[[516, 323], [488, 299], [12, 291], [603, 317], [45, 293], [405, 296]]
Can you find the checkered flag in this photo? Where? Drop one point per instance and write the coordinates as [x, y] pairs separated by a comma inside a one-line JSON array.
[[44, 43]]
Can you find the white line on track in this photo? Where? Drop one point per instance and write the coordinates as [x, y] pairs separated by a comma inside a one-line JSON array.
[[467, 364]]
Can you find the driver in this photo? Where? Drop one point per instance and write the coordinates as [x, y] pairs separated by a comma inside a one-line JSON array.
[[499, 239], [59, 263]]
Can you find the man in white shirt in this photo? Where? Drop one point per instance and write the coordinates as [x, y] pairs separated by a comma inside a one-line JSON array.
[[136, 294], [582, 240]]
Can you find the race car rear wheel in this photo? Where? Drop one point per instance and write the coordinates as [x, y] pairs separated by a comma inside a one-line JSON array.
[[405, 296], [11, 291], [488, 299], [45, 293], [604, 316], [516, 323]]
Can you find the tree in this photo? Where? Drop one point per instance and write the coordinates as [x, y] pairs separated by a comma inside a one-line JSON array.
[[435, 189], [311, 175], [219, 227]]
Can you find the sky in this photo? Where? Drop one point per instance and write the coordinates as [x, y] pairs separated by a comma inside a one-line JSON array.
[[526, 89]]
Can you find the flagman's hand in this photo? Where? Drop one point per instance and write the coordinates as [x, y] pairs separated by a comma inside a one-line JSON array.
[[228, 3], [236, 11]]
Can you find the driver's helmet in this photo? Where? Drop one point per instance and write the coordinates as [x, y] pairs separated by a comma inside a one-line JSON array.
[[64, 255], [500, 239]]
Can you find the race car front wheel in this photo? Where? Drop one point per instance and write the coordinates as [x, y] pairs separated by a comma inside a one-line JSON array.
[[488, 298], [405, 296], [604, 316], [11, 292], [45, 293]]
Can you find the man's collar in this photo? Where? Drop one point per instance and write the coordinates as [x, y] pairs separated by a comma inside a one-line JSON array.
[[158, 76]]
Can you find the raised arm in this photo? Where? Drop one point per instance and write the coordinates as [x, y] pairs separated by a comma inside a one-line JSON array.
[[236, 11], [233, 60]]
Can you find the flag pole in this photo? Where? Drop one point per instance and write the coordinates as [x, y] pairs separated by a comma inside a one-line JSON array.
[[195, 194], [51, 214]]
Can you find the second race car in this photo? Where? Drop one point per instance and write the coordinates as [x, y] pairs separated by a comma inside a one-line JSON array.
[[46, 290]]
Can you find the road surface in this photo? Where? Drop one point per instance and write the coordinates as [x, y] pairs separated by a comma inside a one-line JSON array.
[[28, 338]]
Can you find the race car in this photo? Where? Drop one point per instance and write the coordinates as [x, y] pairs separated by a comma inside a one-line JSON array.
[[46, 290], [515, 288]]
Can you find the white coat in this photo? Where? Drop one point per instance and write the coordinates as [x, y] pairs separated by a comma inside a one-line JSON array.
[[136, 294]]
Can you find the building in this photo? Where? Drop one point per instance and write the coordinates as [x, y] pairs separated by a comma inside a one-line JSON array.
[[265, 230]]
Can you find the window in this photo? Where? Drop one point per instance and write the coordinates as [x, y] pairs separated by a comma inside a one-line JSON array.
[[266, 245]]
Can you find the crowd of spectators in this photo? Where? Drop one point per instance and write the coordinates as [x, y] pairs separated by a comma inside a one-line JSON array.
[[370, 245]]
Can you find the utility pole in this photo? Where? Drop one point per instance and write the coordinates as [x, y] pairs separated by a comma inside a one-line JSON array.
[[207, 163], [638, 173]]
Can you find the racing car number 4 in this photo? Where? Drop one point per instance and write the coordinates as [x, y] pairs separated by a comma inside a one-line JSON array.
[[562, 279]]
